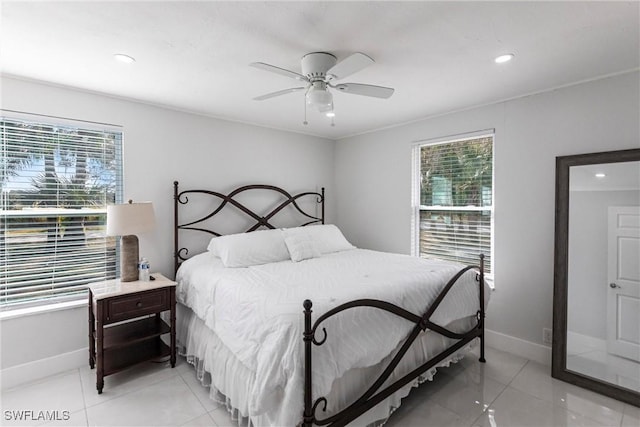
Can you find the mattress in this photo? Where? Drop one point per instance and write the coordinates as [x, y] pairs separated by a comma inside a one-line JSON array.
[[246, 323]]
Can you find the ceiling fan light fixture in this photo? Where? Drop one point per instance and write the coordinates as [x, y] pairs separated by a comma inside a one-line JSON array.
[[325, 108], [319, 97]]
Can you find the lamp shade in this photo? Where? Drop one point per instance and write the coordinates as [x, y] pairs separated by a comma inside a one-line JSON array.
[[130, 218]]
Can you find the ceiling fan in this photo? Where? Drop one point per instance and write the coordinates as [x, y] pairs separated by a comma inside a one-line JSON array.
[[319, 71]]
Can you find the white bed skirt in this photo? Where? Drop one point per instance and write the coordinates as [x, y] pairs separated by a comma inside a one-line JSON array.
[[229, 380]]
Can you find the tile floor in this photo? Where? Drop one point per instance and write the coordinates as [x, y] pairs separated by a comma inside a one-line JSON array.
[[507, 391]]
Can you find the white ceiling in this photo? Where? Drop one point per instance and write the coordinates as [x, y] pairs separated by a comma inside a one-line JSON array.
[[624, 176], [194, 55]]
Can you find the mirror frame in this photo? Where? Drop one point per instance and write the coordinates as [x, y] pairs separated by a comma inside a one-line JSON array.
[[560, 289]]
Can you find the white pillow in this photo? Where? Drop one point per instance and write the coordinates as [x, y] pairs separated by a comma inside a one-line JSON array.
[[247, 249], [327, 237], [212, 246], [300, 246]]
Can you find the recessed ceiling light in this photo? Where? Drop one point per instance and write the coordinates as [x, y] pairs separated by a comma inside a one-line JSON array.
[[331, 114], [121, 57], [600, 175], [504, 58]]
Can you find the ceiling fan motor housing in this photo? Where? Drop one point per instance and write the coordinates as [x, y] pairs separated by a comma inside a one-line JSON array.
[[315, 65]]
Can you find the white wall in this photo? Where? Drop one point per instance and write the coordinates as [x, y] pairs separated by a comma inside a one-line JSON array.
[[373, 183], [161, 146]]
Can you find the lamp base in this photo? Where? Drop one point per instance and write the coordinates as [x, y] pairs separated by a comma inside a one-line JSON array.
[[129, 257]]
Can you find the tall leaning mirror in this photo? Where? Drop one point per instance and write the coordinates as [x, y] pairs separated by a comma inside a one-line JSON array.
[[596, 313]]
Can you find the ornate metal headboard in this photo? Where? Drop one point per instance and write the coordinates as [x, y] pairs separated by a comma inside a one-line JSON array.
[[222, 200]]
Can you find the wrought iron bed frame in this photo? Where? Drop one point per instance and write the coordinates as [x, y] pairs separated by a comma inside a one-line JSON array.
[[373, 395]]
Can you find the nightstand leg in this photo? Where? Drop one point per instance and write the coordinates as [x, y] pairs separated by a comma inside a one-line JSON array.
[[99, 348], [173, 329], [92, 344]]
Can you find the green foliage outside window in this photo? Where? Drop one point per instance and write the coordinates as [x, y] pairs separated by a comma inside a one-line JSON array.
[[467, 167], [456, 200]]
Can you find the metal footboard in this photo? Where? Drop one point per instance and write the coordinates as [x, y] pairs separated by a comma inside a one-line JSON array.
[[374, 395]]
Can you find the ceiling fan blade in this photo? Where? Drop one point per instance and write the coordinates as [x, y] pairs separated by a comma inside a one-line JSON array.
[[279, 70], [278, 93], [366, 90], [351, 64]]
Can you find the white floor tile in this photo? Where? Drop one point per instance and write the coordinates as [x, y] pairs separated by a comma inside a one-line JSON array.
[[465, 395], [514, 408], [166, 403], [201, 392], [535, 379], [44, 418], [431, 414], [55, 394], [182, 366], [222, 417], [500, 366], [631, 416], [123, 382], [75, 419], [202, 421]]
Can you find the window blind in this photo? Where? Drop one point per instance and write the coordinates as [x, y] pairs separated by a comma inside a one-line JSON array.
[[57, 180], [456, 200]]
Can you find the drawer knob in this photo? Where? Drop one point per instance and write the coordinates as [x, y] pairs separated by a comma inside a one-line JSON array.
[[139, 304]]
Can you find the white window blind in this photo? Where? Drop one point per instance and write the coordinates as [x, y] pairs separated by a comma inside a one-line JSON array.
[[57, 180], [455, 220]]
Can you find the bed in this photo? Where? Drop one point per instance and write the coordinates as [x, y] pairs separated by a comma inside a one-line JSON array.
[[296, 327]]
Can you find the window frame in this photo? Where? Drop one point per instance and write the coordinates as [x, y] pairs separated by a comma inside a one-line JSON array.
[[416, 206], [52, 302]]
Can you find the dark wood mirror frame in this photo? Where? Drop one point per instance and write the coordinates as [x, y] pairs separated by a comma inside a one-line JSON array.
[[560, 291]]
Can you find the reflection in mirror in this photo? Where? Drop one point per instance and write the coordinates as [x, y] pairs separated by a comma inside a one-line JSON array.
[[596, 296], [603, 317]]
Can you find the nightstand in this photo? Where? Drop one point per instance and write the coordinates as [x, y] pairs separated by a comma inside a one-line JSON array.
[[125, 327]]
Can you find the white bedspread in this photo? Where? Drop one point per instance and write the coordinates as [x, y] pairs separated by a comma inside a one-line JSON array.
[[257, 313]]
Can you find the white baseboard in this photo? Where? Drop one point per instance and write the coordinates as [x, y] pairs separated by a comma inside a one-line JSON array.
[[31, 371], [527, 349]]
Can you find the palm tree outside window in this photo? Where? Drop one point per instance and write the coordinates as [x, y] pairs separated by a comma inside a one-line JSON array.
[[57, 178]]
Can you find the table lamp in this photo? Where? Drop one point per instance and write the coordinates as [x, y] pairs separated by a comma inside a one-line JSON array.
[[126, 220]]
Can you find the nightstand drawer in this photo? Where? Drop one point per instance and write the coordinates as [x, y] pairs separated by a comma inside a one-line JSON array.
[[139, 304]]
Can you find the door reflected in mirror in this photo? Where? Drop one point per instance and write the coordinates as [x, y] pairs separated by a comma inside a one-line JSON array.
[[603, 317]]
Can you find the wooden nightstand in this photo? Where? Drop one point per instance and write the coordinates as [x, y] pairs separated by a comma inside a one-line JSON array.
[[135, 307]]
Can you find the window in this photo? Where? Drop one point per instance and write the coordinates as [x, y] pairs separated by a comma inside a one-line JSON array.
[[454, 199], [57, 179]]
